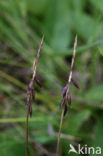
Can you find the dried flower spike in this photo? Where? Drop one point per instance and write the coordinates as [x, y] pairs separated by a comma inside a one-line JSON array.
[[63, 102], [69, 99], [31, 92], [65, 109], [75, 83], [66, 95], [31, 89], [38, 81], [66, 89]]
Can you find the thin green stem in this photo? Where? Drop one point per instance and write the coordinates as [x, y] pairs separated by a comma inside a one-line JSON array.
[[27, 128], [61, 122]]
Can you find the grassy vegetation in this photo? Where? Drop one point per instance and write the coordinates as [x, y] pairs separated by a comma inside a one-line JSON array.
[[22, 24]]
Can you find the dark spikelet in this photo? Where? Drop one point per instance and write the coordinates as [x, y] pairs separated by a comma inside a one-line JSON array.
[[30, 110], [30, 85], [28, 97], [69, 99], [33, 94], [65, 109], [38, 81], [75, 83], [63, 102], [64, 90]]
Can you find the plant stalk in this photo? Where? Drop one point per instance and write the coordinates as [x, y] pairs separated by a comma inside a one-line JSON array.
[[27, 117], [61, 122]]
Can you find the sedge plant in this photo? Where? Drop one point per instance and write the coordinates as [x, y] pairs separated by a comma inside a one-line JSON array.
[[66, 95], [31, 91]]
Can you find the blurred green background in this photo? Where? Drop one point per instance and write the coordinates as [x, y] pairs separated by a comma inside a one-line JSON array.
[[22, 24]]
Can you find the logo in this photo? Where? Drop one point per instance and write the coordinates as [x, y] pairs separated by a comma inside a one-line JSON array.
[[85, 150], [72, 149]]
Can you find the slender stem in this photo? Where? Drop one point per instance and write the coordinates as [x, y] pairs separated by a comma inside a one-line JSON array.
[[27, 116], [61, 121]]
